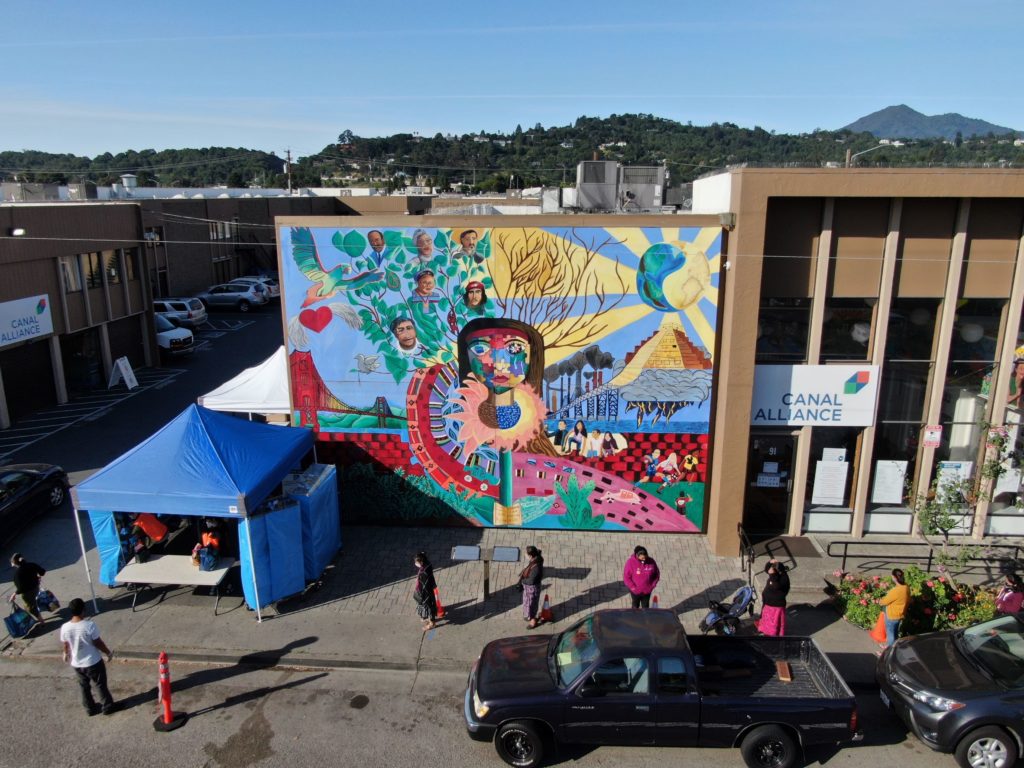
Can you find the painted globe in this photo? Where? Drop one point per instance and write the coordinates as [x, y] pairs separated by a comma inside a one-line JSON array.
[[672, 276]]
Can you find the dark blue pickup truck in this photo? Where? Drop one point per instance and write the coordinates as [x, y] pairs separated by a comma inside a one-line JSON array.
[[634, 677]]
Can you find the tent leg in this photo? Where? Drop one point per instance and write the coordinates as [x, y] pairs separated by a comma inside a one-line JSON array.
[[85, 560], [252, 563]]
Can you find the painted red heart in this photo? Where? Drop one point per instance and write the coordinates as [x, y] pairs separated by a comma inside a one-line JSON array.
[[316, 319]]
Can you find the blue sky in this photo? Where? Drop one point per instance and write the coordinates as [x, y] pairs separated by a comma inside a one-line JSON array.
[[87, 78]]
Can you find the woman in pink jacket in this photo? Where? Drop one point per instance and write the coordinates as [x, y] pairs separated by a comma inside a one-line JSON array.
[[641, 575]]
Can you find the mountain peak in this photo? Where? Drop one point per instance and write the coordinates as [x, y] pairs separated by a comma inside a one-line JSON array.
[[903, 122]]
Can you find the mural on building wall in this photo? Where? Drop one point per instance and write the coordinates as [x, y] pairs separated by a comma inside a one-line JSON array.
[[552, 377]]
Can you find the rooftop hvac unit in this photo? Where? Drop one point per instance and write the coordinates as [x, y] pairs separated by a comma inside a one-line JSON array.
[[595, 185], [641, 187]]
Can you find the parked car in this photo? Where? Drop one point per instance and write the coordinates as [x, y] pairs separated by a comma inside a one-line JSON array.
[[961, 690], [240, 296], [26, 491], [189, 313], [633, 677], [172, 339], [269, 284]]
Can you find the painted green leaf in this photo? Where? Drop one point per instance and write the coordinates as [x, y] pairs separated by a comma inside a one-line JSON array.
[[392, 238], [397, 366], [338, 241], [393, 281], [354, 243]]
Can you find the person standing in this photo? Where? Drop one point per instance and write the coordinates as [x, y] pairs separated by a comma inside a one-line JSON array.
[[529, 580], [82, 646], [773, 600], [641, 575], [895, 606], [1011, 596], [423, 593], [27, 576]]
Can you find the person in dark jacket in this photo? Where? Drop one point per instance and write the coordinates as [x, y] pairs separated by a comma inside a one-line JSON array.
[[27, 578], [423, 594], [529, 580], [641, 576], [773, 600]]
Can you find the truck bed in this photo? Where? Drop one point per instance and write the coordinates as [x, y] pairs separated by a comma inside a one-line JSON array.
[[746, 667]]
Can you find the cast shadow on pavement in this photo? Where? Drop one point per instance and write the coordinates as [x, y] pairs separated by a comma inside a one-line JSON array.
[[722, 592], [253, 695]]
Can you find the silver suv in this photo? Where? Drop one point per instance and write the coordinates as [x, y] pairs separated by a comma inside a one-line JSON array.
[[188, 313], [240, 296], [270, 284]]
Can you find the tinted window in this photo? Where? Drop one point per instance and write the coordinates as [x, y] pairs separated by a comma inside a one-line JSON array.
[[195, 304], [162, 324], [622, 676], [179, 306], [672, 676]]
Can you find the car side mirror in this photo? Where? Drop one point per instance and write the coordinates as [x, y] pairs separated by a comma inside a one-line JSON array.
[[590, 690]]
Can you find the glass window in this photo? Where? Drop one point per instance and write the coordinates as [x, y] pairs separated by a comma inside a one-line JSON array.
[[622, 676], [93, 273], [827, 485], [911, 331], [672, 676], [131, 255], [903, 391], [782, 330], [112, 264], [70, 273], [846, 329]]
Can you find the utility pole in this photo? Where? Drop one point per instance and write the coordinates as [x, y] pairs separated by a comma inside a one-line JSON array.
[[288, 168]]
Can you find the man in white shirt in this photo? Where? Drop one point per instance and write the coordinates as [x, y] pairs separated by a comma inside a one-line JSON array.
[[83, 645]]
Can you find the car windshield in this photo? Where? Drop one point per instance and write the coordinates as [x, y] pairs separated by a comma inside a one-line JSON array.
[[163, 324], [575, 650], [998, 647]]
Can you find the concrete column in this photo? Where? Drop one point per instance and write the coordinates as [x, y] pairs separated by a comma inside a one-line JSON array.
[[105, 358], [57, 364], [5, 414]]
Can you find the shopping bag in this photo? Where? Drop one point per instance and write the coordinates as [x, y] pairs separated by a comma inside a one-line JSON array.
[[878, 633], [19, 622], [47, 601]]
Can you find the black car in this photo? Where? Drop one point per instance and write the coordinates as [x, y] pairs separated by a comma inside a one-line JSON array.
[[26, 491], [635, 678], [961, 691]]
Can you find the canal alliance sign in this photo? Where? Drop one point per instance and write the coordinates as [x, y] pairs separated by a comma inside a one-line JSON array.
[[25, 319], [814, 395]]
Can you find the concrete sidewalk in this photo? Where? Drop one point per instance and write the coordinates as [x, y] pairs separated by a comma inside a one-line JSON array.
[[363, 616]]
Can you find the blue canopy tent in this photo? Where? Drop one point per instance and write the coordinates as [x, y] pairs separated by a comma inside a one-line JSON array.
[[202, 463]]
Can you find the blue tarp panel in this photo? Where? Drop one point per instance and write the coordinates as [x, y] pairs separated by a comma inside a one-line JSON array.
[[321, 525], [202, 463], [108, 545], [276, 555]]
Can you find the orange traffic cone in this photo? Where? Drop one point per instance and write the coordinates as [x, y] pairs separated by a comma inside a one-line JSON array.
[[545, 610], [654, 601], [440, 608]]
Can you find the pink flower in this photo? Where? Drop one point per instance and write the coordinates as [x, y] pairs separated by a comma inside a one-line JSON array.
[[957, 597], [942, 579], [863, 585], [837, 573], [863, 602], [848, 577], [952, 617], [931, 584], [876, 577], [857, 591], [927, 611]]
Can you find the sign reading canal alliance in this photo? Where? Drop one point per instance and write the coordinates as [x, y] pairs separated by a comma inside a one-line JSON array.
[[814, 395], [25, 319]]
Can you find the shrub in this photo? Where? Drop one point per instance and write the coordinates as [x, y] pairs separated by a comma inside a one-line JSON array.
[[935, 602]]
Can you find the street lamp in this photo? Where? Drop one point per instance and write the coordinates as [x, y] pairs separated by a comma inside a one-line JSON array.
[[850, 158]]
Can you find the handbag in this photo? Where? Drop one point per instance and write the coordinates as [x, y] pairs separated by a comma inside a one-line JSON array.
[[208, 559], [878, 633], [19, 622], [47, 601]]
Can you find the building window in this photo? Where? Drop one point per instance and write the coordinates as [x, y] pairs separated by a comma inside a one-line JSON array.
[[782, 330], [71, 274], [131, 271], [93, 270], [833, 466], [112, 265], [846, 329]]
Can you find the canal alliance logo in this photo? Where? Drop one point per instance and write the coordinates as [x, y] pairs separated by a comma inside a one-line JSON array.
[[41, 306], [857, 382]]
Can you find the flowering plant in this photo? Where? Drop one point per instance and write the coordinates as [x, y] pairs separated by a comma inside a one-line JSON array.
[[935, 601]]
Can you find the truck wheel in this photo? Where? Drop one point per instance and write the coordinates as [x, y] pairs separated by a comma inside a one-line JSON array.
[[518, 743], [988, 747], [243, 306], [770, 747], [56, 495]]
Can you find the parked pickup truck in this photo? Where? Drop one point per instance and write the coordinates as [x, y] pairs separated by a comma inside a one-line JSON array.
[[634, 677]]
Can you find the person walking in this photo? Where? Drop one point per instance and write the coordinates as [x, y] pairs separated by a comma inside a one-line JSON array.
[[895, 606], [82, 646], [1011, 596], [529, 582], [27, 577], [641, 575], [423, 594], [773, 600]]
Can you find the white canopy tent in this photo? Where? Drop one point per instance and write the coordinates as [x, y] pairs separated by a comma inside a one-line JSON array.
[[260, 389]]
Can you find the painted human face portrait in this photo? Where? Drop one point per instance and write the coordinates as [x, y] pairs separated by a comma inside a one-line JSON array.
[[499, 357], [405, 334], [468, 241], [376, 240], [474, 297], [425, 285], [425, 246]]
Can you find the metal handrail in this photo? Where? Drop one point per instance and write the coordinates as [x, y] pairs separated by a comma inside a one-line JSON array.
[[746, 554], [900, 557]]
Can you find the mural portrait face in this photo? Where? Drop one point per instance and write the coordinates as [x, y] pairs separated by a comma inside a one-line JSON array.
[[424, 246], [475, 296], [499, 357], [405, 333], [468, 241], [376, 240], [425, 283]]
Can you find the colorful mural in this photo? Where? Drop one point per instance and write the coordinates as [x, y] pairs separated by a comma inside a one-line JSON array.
[[553, 377]]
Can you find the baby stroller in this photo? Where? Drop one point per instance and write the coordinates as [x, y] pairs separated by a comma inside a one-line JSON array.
[[724, 618]]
